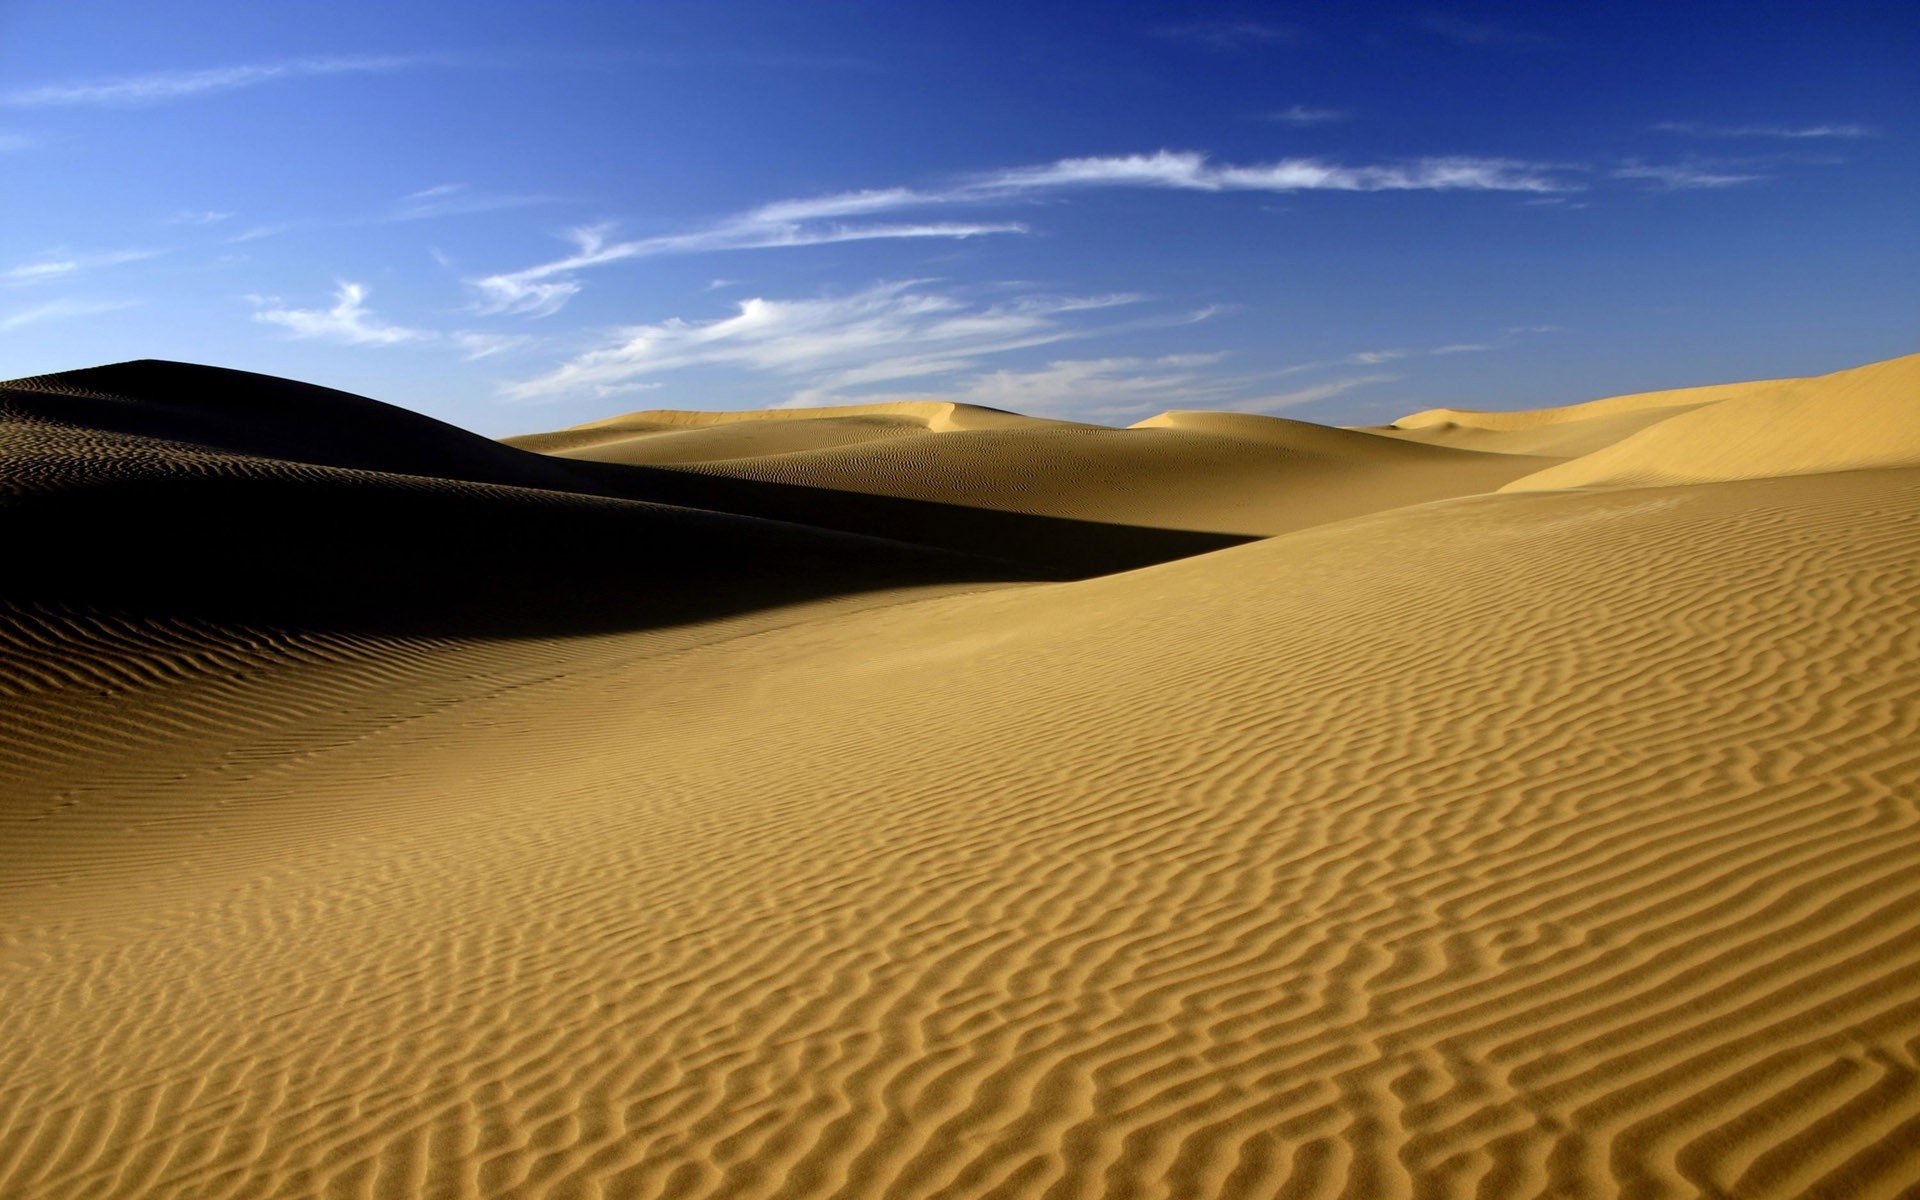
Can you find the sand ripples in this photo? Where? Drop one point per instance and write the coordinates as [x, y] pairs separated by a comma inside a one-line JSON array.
[[1550, 844]]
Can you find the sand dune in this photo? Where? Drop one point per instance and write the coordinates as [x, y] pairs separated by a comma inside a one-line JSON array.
[[1554, 840], [1213, 472], [1846, 421], [667, 436]]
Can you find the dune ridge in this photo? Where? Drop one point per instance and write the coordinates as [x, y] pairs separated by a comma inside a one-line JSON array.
[[1847, 421], [1515, 841]]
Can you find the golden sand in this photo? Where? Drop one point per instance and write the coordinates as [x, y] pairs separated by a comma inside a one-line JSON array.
[[1491, 805]]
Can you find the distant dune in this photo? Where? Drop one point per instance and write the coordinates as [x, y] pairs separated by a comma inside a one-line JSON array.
[[924, 800]]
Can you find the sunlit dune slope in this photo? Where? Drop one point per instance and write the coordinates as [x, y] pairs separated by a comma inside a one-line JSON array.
[[1527, 843], [663, 436], [1849, 420], [1214, 472], [1565, 432]]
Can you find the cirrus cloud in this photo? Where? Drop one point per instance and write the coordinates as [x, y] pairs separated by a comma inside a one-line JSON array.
[[542, 289], [349, 320], [824, 344], [160, 86]]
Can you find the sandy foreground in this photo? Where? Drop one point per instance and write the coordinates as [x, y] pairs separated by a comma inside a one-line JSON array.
[[919, 800]]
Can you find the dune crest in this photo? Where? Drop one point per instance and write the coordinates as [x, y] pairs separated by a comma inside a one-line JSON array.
[[1851, 420]]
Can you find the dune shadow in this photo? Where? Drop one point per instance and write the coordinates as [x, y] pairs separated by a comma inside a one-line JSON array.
[[1052, 547], [387, 556], [179, 490]]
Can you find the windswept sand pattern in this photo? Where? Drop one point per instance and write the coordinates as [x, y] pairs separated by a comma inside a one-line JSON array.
[[1540, 843], [1533, 844]]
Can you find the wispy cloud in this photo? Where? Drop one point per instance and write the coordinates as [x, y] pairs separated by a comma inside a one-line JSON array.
[[1230, 35], [442, 200], [204, 217], [1301, 115], [543, 289], [64, 265], [1359, 358], [826, 344], [478, 345], [1374, 358], [162, 86], [1792, 132], [59, 309], [14, 141], [348, 321], [1307, 395], [1467, 31], [1100, 388], [1685, 176], [1191, 171], [457, 199], [849, 216]]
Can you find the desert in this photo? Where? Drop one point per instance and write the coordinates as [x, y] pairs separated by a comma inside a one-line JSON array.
[[959, 600], [1485, 803]]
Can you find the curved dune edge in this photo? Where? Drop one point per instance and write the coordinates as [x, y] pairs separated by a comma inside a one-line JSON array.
[[675, 435], [1859, 419], [1229, 473], [1533, 843]]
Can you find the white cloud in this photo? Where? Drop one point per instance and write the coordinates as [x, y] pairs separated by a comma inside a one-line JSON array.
[[1461, 348], [57, 309], [442, 200], [486, 345], [349, 320], [1698, 129], [62, 265], [1192, 171], [456, 199], [1307, 395], [542, 289], [162, 86], [1684, 176], [1093, 387], [1302, 115], [885, 333], [203, 217], [261, 231]]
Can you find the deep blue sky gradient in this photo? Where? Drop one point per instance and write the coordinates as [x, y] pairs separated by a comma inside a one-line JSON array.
[[152, 209]]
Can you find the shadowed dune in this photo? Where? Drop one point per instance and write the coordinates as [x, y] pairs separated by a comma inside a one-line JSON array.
[[191, 492], [1556, 839]]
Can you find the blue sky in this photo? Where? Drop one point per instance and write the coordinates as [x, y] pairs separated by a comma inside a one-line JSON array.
[[519, 216]]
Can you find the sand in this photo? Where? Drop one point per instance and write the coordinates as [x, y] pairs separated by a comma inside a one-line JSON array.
[[1467, 817]]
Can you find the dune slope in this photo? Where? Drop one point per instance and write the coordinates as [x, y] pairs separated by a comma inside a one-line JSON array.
[[187, 492], [1850, 420], [1221, 473], [1530, 843]]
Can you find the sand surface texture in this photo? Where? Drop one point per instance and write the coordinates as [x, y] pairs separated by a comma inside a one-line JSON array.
[[921, 801]]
